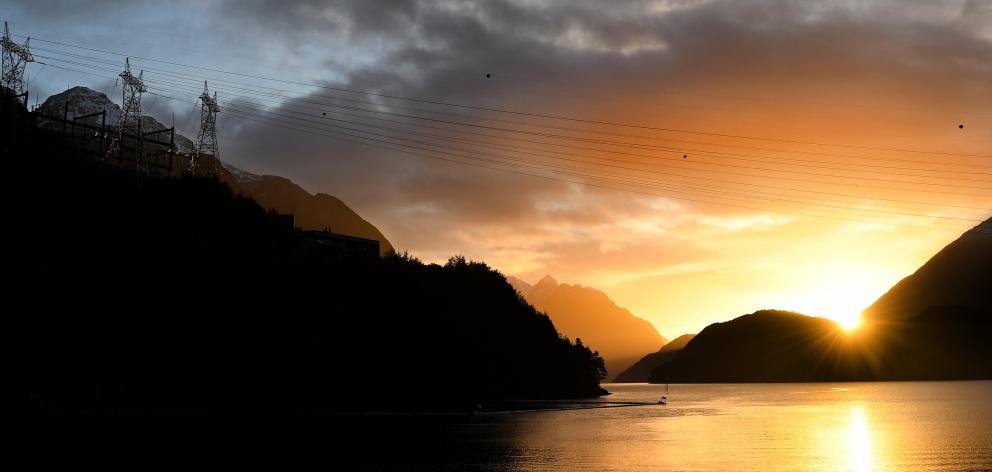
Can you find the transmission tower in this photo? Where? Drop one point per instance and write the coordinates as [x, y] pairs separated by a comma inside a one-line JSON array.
[[15, 58], [206, 139], [130, 118]]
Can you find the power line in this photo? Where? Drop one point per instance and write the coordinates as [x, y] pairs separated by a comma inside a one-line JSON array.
[[701, 152], [583, 173], [739, 183], [695, 152], [775, 159], [558, 153], [519, 113], [551, 170], [588, 184], [745, 167]]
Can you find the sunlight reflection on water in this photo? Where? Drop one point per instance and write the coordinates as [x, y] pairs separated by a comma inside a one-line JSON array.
[[857, 427], [756, 427], [860, 440]]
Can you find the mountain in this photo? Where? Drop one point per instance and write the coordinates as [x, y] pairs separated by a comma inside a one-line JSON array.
[[519, 285], [588, 314], [81, 101], [311, 211], [641, 370], [959, 275], [767, 346], [942, 343]]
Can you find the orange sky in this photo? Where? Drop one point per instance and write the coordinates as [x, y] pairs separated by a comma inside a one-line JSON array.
[[683, 265]]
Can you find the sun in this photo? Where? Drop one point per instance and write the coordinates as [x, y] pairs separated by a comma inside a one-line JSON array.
[[849, 322], [847, 317], [840, 304]]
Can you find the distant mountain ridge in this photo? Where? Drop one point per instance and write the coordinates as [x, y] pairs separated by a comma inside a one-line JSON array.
[[318, 211], [586, 313]]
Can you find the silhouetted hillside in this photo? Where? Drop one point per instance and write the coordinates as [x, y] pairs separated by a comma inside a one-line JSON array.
[[140, 293], [959, 275], [586, 313], [641, 370], [942, 343], [937, 322]]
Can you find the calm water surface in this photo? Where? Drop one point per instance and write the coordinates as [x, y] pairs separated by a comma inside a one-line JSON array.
[[843, 426]]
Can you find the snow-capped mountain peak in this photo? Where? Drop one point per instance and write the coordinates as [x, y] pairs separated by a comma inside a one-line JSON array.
[[81, 101], [240, 175]]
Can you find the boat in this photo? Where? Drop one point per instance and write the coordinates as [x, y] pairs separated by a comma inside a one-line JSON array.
[[664, 398]]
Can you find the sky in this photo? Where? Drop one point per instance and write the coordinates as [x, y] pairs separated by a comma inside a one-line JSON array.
[[736, 225]]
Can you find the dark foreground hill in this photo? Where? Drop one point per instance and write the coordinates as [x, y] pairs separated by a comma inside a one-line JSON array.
[[641, 370], [135, 293], [937, 322]]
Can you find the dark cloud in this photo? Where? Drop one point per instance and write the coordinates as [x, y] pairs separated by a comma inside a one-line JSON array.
[[607, 59]]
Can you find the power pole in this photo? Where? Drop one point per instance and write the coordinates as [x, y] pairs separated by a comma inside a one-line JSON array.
[[132, 88], [206, 138], [15, 59]]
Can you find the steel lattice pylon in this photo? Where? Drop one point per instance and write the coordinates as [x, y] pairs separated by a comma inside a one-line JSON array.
[[206, 138], [15, 58], [133, 86]]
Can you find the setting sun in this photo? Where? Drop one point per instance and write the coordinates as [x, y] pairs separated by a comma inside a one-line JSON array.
[[848, 322], [831, 297]]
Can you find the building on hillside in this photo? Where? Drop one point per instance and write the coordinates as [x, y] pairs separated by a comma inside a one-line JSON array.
[[341, 242]]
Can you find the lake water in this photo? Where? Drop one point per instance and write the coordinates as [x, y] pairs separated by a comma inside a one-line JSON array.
[[842, 426]]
